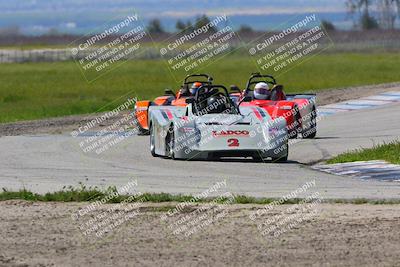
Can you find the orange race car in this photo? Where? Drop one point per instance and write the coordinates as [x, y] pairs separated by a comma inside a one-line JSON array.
[[188, 89]]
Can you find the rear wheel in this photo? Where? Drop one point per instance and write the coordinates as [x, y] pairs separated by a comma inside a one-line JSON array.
[[170, 141], [152, 142], [312, 131], [139, 128], [295, 128]]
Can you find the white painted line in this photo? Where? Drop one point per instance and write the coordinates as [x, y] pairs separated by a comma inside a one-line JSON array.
[[347, 107], [100, 134], [392, 93], [327, 112], [323, 109], [376, 101], [336, 108], [322, 114], [384, 97], [366, 102]]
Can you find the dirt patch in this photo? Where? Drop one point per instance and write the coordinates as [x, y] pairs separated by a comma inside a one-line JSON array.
[[70, 123], [57, 125], [44, 234]]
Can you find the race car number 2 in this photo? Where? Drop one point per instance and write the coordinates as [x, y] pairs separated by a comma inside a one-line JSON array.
[[233, 142]]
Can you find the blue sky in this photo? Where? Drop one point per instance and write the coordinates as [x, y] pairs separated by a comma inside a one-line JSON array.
[[173, 7], [36, 16]]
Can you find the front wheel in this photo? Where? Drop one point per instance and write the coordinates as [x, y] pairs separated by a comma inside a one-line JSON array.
[[284, 158], [257, 157], [312, 131], [139, 128], [281, 159]]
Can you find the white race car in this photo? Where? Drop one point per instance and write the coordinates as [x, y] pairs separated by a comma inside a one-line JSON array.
[[211, 126]]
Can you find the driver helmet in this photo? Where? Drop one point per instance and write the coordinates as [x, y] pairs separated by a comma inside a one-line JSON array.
[[261, 91], [216, 104], [195, 87], [183, 91]]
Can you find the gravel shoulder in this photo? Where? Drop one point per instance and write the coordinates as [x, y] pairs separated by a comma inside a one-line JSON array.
[[69, 123], [44, 234]]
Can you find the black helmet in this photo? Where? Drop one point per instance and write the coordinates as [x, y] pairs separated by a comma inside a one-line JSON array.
[[216, 104]]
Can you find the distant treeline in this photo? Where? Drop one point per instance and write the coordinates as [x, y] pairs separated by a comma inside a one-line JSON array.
[[337, 36]]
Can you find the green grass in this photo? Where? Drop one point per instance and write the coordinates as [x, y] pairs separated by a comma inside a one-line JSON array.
[[40, 90], [83, 193], [91, 194], [389, 152]]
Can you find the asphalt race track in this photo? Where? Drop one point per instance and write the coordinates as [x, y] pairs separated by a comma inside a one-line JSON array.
[[45, 163]]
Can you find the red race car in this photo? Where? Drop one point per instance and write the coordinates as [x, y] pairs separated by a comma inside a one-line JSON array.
[[168, 99], [299, 110]]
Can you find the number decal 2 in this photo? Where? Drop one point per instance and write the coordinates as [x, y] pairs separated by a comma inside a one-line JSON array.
[[233, 142]]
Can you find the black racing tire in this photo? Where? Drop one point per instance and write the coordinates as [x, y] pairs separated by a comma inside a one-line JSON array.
[[296, 128], [292, 134], [257, 157], [170, 141], [136, 125], [213, 157], [152, 142], [312, 132], [282, 159]]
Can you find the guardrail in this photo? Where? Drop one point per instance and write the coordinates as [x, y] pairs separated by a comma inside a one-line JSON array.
[[65, 54]]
